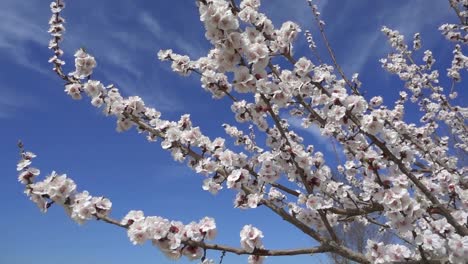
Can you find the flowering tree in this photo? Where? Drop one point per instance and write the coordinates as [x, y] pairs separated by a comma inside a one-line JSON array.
[[401, 177]]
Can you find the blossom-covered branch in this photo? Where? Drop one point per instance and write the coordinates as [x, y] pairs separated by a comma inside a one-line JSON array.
[[396, 175], [173, 238]]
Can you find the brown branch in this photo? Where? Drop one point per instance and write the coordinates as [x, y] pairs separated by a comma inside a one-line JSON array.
[[252, 172], [334, 247], [442, 98], [234, 8], [375, 207], [259, 251], [286, 189], [332, 54], [238, 251], [457, 11], [308, 187], [331, 231], [462, 230]]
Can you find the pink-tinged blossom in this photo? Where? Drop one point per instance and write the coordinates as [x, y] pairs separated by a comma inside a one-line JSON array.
[[133, 216], [74, 90], [158, 227], [39, 200], [356, 104], [22, 164], [84, 64], [82, 208], [165, 247], [255, 4], [237, 178], [93, 88], [175, 234], [103, 205], [248, 14], [193, 232], [57, 6], [372, 124], [253, 200], [228, 22], [459, 62], [181, 64], [257, 53], [458, 246], [192, 252], [208, 228], [317, 202], [275, 195], [303, 66], [431, 241], [164, 54], [376, 101], [355, 80], [123, 124], [135, 105], [253, 259], [375, 252], [60, 187], [28, 174], [138, 233], [243, 81], [288, 32], [397, 254], [97, 101], [251, 238], [212, 186]]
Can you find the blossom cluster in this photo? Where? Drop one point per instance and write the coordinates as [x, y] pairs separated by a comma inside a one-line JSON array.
[[61, 190], [380, 253], [251, 239], [167, 235], [398, 175], [356, 123], [173, 238]]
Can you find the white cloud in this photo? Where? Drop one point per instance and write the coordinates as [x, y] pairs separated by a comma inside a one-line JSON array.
[[12, 102], [295, 10], [122, 54], [313, 130], [168, 37], [121, 59], [129, 56], [152, 25], [18, 31], [409, 18], [150, 90], [367, 46], [328, 143]]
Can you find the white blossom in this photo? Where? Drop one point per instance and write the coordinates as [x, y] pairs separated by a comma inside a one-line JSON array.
[[251, 238]]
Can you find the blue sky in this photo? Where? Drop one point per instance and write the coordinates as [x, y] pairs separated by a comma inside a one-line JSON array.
[[73, 137]]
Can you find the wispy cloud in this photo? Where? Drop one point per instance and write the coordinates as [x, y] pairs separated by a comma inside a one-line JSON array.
[[366, 46], [333, 149], [313, 130], [150, 89], [125, 57], [12, 102], [18, 32], [294, 10], [127, 49], [152, 25], [368, 43]]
